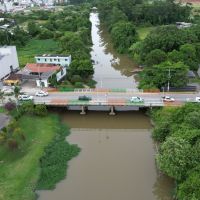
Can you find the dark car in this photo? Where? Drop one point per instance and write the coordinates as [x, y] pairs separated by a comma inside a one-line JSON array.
[[84, 98]]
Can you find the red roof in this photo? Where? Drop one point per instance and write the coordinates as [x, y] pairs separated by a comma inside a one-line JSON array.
[[41, 68]]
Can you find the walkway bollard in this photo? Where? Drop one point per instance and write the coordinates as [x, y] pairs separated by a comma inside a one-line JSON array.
[[82, 110], [112, 111]]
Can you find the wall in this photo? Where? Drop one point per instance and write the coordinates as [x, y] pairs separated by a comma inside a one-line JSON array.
[[8, 60], [54, 60]]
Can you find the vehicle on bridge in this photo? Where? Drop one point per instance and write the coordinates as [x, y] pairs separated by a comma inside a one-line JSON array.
[[41, 94], [168, 99], [84, 98], [25, 97], [136, 100]]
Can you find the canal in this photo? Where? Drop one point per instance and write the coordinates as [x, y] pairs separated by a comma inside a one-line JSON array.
[[117, 158]]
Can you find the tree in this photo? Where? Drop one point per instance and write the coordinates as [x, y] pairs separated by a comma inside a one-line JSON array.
[[33, 29], [40, 110], [155, 57], [157, 76], [123, 35], [175, 157], [190, 188], [189, 56]]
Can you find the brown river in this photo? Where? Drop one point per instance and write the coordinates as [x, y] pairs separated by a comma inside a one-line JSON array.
[[117, 158]]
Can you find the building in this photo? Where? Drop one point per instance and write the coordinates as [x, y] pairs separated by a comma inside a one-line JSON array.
[[8, 61], [41, 73], [61, 60]]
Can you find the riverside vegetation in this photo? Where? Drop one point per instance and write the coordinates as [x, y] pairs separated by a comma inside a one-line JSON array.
[[161, 45], [178, 132], [29, 149]]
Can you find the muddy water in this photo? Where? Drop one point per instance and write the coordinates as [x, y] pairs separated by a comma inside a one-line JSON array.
[[117, 160], [112, 70]]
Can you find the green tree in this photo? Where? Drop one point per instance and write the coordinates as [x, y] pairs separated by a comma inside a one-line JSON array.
[[175, 157], [33, 28], [155, 57], [123, 35]]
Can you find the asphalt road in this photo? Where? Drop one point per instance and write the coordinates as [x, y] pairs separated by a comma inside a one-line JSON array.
[[104, 96]]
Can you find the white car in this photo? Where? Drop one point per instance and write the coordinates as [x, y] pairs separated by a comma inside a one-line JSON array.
[[136, 100], [25, 97], [168, 99], [41, 94], [197, 99]]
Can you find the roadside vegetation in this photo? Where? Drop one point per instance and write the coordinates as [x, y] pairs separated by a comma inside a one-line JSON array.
[[32, 156], [177, 131]]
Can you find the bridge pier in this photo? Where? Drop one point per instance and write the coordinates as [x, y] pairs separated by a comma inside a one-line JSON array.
[[83, 112], [112, 111]]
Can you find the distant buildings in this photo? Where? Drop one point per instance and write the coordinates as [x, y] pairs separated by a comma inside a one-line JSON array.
[[8, 60], [61, 60]]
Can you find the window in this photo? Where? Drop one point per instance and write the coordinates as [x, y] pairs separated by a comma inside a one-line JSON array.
[[66, 59], [50, 60], [61, 72], [58, 60], [45, 60], [55, 59], [38, 59]]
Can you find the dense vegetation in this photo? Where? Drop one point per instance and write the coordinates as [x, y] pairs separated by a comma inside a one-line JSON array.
[[178, 131], [66, 32], [164, 47], [54, 161], [21, 147]]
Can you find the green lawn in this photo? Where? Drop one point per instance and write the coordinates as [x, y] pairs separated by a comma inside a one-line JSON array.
[[19, 171], [143, 31], [35, 47]]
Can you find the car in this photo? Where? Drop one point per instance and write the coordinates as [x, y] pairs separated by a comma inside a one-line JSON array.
[[136, 100], [197, 99], [25, 97], [41, 94], [168, 99], [84, 98]]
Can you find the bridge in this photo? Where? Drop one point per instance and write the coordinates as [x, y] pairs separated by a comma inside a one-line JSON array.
[[103, 100]]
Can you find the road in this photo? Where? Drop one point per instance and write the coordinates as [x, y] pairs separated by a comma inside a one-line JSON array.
[[114, 97]]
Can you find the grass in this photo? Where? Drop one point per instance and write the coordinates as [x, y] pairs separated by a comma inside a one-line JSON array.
[[19, 170], [34, 47], [2, 110], [144, 31]]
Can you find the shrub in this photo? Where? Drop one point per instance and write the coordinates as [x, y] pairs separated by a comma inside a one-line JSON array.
[[10, 106], [40, 110], [78, 85]]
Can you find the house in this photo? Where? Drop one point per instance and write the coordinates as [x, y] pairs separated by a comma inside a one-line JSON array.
[[61, 60], [41, 73], [8, 61]]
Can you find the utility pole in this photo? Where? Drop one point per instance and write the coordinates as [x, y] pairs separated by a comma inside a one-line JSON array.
[[169, 76]]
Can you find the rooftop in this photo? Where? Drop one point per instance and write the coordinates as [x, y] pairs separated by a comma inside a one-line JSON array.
[[52, 55], [41, 68]]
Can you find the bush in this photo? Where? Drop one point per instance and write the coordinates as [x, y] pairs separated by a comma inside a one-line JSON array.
[[76, 78], [10, 106], [78, 85], [40, 110], [54, 162]]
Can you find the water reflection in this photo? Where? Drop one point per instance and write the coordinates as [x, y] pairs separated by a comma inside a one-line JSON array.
[[112, 70]]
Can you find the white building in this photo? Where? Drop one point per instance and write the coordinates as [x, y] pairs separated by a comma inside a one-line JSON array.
[[8, 60], [41, 73], [54, 59]]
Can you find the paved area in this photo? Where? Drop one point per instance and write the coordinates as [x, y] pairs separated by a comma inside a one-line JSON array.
[[4, 120]]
